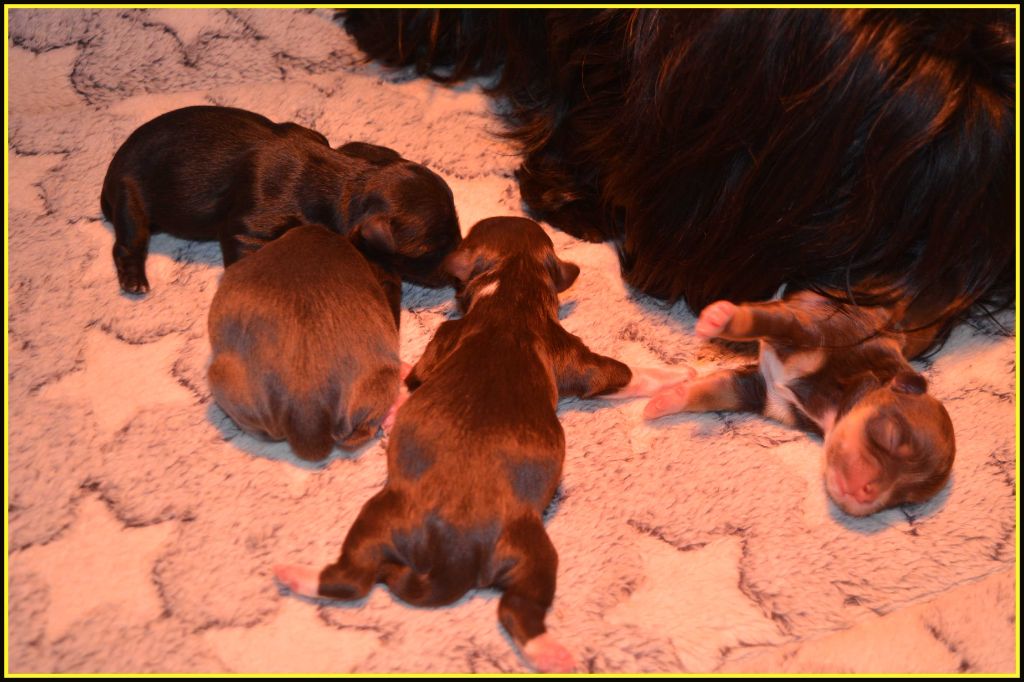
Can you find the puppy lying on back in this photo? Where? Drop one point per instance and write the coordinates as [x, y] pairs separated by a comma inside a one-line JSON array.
[[476, 452], [305, 343], [208, 172], [825, 367]]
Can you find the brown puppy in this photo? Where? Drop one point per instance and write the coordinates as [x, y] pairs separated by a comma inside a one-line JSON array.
[[305, 343], [824, 366], [476, 452], [222, 173]]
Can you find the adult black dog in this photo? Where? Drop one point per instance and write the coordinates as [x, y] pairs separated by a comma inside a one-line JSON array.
[[869, 152]]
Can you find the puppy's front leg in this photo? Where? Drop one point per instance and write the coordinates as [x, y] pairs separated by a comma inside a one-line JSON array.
[[741, 390], [437, 350], [581, 372], [584, 373], [747, 321]]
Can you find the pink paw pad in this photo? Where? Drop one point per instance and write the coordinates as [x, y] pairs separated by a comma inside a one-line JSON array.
[[548, 656], [715, 318], [303, 580], [669, 401]]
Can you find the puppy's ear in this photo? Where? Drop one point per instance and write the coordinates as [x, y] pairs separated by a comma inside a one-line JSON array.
[[375, 230], [563, 273], [909, 382], [463, 263], [460, 264]]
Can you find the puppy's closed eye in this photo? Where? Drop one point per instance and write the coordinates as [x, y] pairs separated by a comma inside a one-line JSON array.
[[889, 435]]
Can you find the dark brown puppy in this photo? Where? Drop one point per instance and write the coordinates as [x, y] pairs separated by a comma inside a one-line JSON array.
[[208, 172], [476, 452], [305, 343], [826, 367]]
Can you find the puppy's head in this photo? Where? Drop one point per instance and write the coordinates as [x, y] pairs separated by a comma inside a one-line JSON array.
[[894, 446], [404, 216], [512, 250]]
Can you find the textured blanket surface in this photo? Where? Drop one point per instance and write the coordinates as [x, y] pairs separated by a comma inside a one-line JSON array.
[[143, 524]]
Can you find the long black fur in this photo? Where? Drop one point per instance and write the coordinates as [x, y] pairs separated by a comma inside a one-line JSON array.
[[867, 152]]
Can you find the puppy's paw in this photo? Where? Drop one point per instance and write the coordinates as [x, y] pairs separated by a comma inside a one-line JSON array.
[[548, 656], [302, 580], [714, 319], [133, 283], [669, 401], [660, 378], [651, 380]]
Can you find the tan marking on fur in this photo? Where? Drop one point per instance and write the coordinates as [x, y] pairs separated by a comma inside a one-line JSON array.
[[777, 374], [712, 393], [485, 291]]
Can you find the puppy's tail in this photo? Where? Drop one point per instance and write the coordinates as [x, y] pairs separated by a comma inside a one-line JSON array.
[[437, 588], [309, 430], [448, 565]]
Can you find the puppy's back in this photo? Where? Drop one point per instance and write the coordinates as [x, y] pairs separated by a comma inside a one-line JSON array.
[[304, 345], [191, 155]]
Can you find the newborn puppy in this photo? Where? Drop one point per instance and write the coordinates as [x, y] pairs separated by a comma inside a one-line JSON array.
[[825, 367], [207, 172], [305, 343], [476, 452]]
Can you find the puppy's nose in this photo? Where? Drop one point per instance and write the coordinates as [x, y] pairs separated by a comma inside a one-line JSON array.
[[861, 493]]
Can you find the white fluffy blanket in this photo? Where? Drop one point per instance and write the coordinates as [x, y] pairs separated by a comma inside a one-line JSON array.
[[142, 525]]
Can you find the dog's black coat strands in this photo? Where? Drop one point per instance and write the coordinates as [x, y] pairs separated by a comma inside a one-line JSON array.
[[476, 453], [207, 172], [864, 154], [305, 343]]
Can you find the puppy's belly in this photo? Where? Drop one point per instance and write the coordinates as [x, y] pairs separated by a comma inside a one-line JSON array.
[[780, 402]]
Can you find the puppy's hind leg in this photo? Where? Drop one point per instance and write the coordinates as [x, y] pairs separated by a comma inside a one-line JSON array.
[[528, 589], [358, 568], [302, 580], [741, 390], [131, 237]]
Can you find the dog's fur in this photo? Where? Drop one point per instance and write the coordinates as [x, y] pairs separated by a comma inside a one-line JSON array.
[[476, 452], [824, 367], [864, 154], [208, 172], [305, 343]]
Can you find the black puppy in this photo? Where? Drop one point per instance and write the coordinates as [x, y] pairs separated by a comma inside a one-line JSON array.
[[208, 172], [476, 452], [840, 371], [305, 343]]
